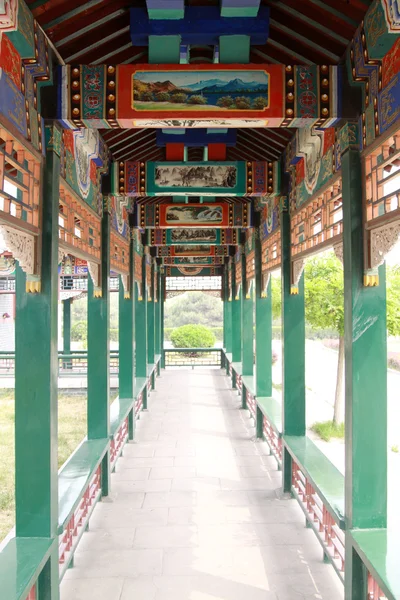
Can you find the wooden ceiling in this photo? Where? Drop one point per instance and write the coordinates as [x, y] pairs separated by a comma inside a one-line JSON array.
[[301, 32]]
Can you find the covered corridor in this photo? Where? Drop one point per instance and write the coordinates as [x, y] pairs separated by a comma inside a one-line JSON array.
[[196, 510]]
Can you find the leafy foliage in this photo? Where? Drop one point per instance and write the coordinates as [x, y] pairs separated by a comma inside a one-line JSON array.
[[329, 429], [197, 99], [179, 98], [225, 101], [162, 97], [242, 102], [276, 292], [260, 103], [194, 308], [192, 336], [392, 299], [324, 304]]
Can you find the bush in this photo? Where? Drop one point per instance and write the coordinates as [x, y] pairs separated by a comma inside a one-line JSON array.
[[192, 336], [218, 332], [162, 97], [179, 98], [114, 335], [147, 97], [260, 103], [197, 100], [79, 332], [328, 429], [225, 102], [243, 103]]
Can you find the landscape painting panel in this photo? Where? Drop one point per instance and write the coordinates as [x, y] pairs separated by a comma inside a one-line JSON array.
[[204, 90], [196, 176], [194, 214], [193, 236], [194, 250]]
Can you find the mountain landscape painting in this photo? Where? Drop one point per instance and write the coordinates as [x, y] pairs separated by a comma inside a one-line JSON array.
[[204, 90]]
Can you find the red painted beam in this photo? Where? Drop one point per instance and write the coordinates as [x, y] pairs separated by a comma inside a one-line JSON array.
[[216, 151], [175, 151]]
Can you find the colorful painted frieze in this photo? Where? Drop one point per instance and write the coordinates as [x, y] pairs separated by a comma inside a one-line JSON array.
[[192, 250], [224, 214], [203, 96], [373, 62], [192, 271], [192, 236], [193, 260]]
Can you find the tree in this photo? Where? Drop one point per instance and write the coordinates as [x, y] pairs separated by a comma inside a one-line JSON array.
[[242, 102], [276, 293], [225, 102], [392, 299], [162, 97], [192, 336], [324, 309], [179, 98], [197, 99], [194, 308], [260, 103], [146, 97]]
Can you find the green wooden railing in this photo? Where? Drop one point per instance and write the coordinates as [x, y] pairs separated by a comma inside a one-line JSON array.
[[74, 363], [318, 486], [79, 489], [193, 357]]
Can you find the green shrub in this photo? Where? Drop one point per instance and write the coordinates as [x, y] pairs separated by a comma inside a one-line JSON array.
[[162, 97], [218, 332], [197, 100], [328, 429], [147, 97], [192, 336], [114, 335], [79, 331], [179, 98], [225, 101], [242, 102], [260, 103]]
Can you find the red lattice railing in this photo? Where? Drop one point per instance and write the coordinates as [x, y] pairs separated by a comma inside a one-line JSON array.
[[251, 404], [230, 369], [327, 529], [138, 404], [79, 520], [149, 385], [374, 591], [119, 440], [239, 382], [273, 438]]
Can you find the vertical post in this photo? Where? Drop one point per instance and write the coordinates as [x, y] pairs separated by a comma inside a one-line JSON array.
[[236, 319], [247, 325], [99, 347], [162, 306], [294, 352], [263, 328], [228, 312], [67, 326], [150, 319], [366, 379], [141, 330], [36, 371], [126, 332]]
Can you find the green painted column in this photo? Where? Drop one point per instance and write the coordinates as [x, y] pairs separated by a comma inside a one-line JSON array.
[[162, 307], [247, 325], [365, 379], [141, 326], [36, 371], [157, 310], [98, 417], [67, 326], [228, 313], [151, 320], [236, 320], [126, 332], [263, 327], [293, 351]]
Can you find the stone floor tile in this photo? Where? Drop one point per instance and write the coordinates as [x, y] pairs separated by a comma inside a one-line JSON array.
[[100, 589]]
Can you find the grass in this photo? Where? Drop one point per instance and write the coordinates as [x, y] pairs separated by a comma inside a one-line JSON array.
[[71, 430], [328, 429]]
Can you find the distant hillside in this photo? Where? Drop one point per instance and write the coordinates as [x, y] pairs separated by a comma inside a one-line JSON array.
[[206, 86]]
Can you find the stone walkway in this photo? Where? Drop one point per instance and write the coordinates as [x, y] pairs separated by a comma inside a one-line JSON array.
[[196, 511]]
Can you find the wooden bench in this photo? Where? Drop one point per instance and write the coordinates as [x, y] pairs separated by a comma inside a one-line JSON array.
[[381, 560], [21, 563], [323, 475]]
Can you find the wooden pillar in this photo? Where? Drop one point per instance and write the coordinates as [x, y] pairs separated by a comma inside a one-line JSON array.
[[36, 372], [151, 319], [162, 307], [99, 349], [236, 320], [247, 326], [365, 381], [263, 328], [126, 332], [227, 311], [141, 330], [67, 326], [294, 351]]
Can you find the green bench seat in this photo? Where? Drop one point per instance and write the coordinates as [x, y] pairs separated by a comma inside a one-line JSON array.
[[75, 475], [272, 409], [324, 476], [119, 410], [21, 563], [381, 560], [249, 382], [237, 367]]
